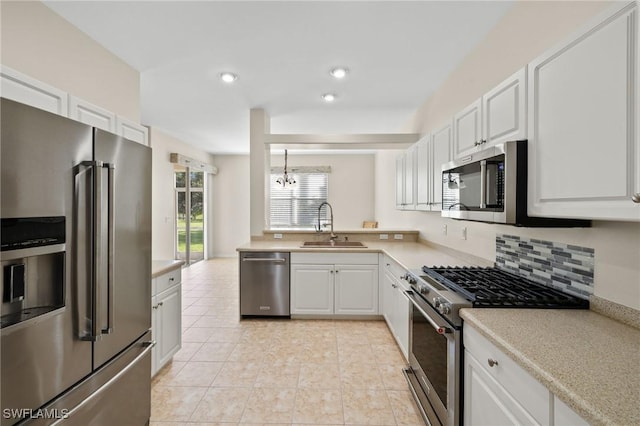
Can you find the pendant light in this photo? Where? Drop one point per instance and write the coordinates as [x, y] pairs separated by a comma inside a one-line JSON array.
[[285, 178]]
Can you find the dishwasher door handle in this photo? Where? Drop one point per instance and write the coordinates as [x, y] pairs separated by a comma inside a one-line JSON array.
[[263, 259]]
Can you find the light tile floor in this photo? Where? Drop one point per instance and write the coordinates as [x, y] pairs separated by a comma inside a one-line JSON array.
[[288, 372]]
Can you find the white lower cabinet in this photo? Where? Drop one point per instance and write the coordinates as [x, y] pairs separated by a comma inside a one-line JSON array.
[[395, 305], [166, 319], [334, 283], [565, 416], [497, 391], [312, 289]]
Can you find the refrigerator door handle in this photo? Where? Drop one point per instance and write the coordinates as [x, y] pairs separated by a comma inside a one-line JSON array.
[[111, 243], [96, 323]]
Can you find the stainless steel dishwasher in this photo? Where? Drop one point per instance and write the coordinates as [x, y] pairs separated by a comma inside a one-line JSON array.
[[264, 284]]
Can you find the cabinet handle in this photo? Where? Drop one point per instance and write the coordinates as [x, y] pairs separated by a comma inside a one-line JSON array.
[[161, 303], [337, 271], [331, 271], [476, 143], [155, 306], [492, 362], [636, 197], [483, 141], [172, 279]]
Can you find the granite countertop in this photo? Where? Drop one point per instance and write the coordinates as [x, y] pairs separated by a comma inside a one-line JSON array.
[[409, 255], [589, 361], [160, 267]]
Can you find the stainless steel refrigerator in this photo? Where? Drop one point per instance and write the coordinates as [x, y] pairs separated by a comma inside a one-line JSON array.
[[76, 272]]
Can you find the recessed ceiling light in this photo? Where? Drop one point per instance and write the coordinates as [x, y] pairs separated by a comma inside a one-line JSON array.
[[228, 77], [339, 72], [329, 97]]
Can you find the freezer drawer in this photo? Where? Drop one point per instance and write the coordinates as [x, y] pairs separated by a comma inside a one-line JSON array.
[[264, 284], [119, 393]]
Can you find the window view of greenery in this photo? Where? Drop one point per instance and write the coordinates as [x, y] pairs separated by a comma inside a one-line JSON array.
[[194, 218], [297, 206]]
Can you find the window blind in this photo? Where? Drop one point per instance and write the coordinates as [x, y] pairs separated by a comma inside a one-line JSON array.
[[297, 206]]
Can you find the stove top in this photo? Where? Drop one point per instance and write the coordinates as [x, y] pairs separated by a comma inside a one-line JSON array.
[[496, 288]]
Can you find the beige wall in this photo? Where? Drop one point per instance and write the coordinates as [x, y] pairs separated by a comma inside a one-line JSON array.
[[163, 195], [351, 184], [230, 214], [39, 43], [352, 178], [525, 32]]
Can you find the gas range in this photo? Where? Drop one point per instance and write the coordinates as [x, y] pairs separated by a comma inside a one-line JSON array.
[[449, 289]]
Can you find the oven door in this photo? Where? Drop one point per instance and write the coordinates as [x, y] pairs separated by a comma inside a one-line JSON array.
[[434, 363]]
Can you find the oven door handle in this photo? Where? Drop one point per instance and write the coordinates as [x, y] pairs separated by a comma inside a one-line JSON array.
[[439, 329]]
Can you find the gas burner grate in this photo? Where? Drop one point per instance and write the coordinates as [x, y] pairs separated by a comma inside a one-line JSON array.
[[493, 287]]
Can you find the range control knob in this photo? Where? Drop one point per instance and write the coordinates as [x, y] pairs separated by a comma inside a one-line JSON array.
[[408, 278], [424, 289], [436, 302], [444, 308]]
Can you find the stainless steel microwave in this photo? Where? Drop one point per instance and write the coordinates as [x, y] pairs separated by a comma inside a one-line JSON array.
[[491, 186]]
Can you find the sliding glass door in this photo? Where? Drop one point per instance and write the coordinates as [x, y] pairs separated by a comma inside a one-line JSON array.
[[190, 215]]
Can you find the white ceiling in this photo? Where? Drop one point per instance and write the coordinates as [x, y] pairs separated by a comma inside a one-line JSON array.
[[398, 53]]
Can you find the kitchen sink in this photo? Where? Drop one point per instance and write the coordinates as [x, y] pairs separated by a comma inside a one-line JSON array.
[[332, 244]]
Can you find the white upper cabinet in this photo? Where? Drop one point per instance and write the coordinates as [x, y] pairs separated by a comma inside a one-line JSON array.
[[423, 170], [21, 88], [92, 115], [132, 130], [432, 152], [441, 149], [584, 149], [405, 179], [467, 128], [504, 110], [24, 89], [498, 116]]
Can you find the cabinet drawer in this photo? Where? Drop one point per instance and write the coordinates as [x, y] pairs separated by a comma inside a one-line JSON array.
[[167, 280], [518, 383], [332, 258], [394, 269]]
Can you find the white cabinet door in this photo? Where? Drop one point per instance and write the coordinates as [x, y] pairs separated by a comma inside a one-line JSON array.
[[409, 178], [486, 402], [92, 115], [405, 179], [21, 88], [400, 181], [563, 415], [441, 149], [401, 320], [132, 131], [504, 110], [423, 171], [356, 289], [584, 145], [467, 129], [312, 289], [167, 329], [388, 300]]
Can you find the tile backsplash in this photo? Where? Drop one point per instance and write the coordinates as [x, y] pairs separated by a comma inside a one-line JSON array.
[[563, 266]]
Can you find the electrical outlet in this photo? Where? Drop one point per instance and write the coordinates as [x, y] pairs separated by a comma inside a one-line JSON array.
[[444, 229], [277, 236], [464, 233], [398, 236], [384, 236]]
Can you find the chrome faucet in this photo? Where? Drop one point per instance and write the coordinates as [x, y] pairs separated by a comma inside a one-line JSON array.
[[333, 236]]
